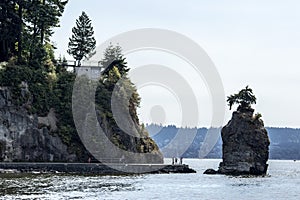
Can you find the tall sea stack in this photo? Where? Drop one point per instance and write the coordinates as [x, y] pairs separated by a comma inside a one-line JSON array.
[[245, 144], [245, 139]]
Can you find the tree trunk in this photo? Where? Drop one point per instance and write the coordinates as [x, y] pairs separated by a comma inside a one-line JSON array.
[[3, 51], [43, 26], [20, 43]]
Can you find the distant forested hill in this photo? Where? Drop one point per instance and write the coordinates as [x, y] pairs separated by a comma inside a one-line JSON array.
[[285, 142]]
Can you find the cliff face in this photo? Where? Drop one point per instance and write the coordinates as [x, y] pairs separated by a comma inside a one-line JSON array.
[[30, 138], [245, 145], [118, 118], [25, 137], [138, 143]]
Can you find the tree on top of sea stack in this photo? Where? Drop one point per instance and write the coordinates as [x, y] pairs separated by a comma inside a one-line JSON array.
[[244, 99], [82, 44]]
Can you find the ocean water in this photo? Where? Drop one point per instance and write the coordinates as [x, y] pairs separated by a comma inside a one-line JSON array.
[[282, 182]]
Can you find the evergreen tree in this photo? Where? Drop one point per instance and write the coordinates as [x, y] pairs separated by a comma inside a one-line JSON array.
[[244, 98], [25, 27], [116, 75], [111, 54], [82, 43], [9, 26], [115, 83], [113, 57], [41, 16]]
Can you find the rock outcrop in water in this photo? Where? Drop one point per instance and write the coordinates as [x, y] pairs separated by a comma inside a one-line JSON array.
[[245, 139], [245, 144]]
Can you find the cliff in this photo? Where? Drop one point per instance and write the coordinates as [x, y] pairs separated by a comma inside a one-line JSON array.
[[245, 144], [29, 135], [24, 138]]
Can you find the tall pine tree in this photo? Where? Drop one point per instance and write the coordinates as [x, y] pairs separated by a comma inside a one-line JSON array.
[[82, 44]]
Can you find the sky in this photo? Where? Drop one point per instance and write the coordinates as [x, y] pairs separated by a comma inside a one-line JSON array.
[[255, 43]]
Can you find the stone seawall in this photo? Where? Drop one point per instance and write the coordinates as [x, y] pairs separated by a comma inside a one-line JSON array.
[[94, 168]]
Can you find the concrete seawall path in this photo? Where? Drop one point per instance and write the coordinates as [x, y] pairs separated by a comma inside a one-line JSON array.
[[92, 168]]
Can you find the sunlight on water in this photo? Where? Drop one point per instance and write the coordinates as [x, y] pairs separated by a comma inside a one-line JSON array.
[[283, 182]]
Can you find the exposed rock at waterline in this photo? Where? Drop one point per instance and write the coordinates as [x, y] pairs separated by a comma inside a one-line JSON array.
[[210, 171]]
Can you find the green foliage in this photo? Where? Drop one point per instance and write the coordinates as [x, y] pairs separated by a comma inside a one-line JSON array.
[[82, 43], [37, 81], [62, 103], [51, 86], [10, 29], [116, 69], [115, 79], [244, 98], [42, 16], [26, 26], [45, 92], [60, 64], [257, 116], [111, 54], [113, 57], [39, 84], [12, 76]]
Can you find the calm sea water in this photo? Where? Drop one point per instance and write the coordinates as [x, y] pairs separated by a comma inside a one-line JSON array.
[[283, 182]]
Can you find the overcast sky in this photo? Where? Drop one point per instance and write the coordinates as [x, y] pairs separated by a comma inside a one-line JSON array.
[[255, 43]]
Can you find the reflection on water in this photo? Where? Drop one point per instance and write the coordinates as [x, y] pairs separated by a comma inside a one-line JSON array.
[[283, 182]]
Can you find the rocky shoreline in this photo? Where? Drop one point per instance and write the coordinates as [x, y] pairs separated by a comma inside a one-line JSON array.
[[93, 168]]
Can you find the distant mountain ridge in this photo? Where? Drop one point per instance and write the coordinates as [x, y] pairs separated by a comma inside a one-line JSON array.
[[285, 142]]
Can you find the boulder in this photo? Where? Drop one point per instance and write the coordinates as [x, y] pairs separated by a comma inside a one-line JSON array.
[[210, 171]]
